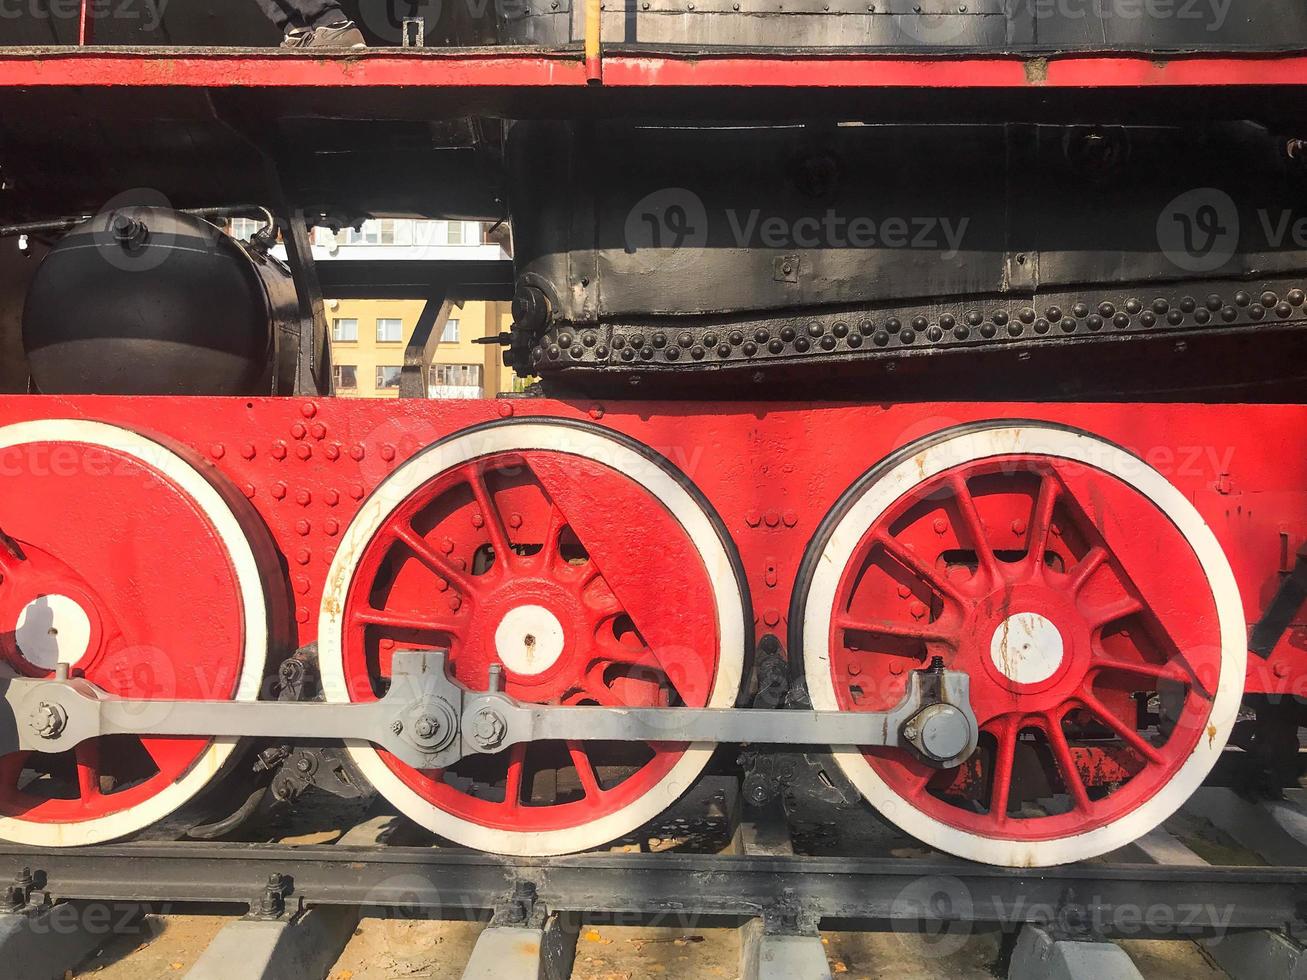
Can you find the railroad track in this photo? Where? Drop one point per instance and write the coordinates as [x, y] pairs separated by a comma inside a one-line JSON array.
[[1220, 890]]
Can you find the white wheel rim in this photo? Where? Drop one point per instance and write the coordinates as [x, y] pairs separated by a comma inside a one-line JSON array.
[[1031, 439], [249, 582], [526, 437]]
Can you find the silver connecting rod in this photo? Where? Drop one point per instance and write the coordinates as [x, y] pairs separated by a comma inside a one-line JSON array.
[[430, 721]]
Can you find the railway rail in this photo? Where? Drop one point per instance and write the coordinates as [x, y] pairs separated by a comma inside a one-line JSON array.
[[302, 903]]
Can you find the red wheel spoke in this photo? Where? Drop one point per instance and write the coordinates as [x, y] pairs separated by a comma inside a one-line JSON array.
[[1106, 615], [1041, 520], [494, 520], [11, 555], [1086, 567], [87, 757], [966, 506], [1065, 763], [914, 563], [434, 560], [403, 621], [1126, 732], [550, 553], [11, 769], [585, 770], [1001, 781], [926, 632], [514, 776], [1162, 672]]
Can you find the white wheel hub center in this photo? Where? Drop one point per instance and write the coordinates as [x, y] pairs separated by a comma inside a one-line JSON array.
[[51, 630], [1027, 648], [529, 640]]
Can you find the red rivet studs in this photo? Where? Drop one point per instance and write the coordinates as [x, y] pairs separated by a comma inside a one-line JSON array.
[[302, 528], [515, 521], [1018, 527], [331, 526], [597, 412], [248, 450], [505, 409], [302, 616], [302, 584], [279, 450], [388, 452], [304, 556], [308, 410], [303, 498], [940, 525], [771, 617], [279, 491], [753, 518], [790, 518], [333, 452], [332, 498], [455, 603], [1281, 670], [304, 451], [249, 490], [773, 518], [356, 453], [298, 431], [918, 610], [217, 450], [318, 431], [356, 491], [478, 520]]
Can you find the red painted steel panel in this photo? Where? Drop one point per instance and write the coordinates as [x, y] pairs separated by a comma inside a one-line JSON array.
[[516, 68]]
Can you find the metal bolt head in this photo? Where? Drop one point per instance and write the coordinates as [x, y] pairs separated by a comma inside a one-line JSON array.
[[427, 727], [489, 728], [49, 720], [910, 731], [396, 727]]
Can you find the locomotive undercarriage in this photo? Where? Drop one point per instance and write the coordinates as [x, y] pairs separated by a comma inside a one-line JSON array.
[[1058, 436]]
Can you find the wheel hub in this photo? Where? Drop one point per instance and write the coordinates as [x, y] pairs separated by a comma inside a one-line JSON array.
[[1027, 648], [529, 640], [52, 630]]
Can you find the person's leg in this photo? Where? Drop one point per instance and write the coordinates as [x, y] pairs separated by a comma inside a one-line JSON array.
[[276, 12], [318, 13]]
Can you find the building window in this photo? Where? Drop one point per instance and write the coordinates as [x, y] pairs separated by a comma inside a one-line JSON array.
[[387, 377], [456, 375], [345, 330], [450, 334], [390, 331], [244, 228], [347, 377]]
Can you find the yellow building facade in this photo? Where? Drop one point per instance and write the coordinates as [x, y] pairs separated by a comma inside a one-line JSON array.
[[368, 339]]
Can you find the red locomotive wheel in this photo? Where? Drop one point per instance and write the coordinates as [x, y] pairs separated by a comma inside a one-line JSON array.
[[586, 569], [1091, 607], [122, 561]]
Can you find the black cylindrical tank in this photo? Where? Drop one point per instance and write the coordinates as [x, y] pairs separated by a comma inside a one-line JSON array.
[[149, 301]]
